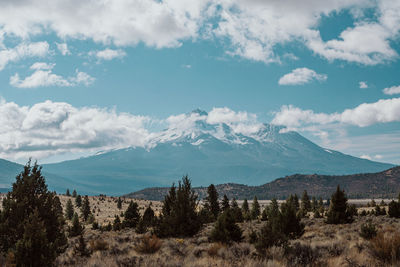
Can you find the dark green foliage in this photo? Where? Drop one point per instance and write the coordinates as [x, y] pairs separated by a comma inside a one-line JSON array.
[[141, 227], [85, 208], [81, 249], [264, 215], [394, 209], [76, 228], [363, 213], [255, 209], [34, 249], [69, 211], [117, 223], [148, 217], [74, 194], [225, 203], [179, 213], [314, 204], [237, 212], [352, 210], [225, 229], [305, 202], [78, 201], [296, 202], [211, 202], [95, 225], [373, 203], [339, 212], [280, 227], [32, 216], [380, 211], [253, 237], [119, 203], [131, 216], [246, 210], [368, 230], [68, 194]]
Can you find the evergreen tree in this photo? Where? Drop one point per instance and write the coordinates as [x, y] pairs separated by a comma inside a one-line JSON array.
[[314, 204], [117, 223], [131, 216], [32, 216], [81, 248], [225, 229], [255, 209], [273, 209], [237, 212], [338, 212], [74, 194], [296, 202], [211, 202], [320, 203], [180, 216], [85, 208], [67, 193], [245, 207], [225, 203], [264, 214], [69, 211], [141, 227], [78, 201], [394, 209], [148, 217], [305, 202], [119, 203], [76, 228]]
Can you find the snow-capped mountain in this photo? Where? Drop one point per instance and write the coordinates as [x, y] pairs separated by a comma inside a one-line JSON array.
[[209, 152]]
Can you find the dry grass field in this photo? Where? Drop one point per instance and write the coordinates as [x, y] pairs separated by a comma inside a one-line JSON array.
[[320, 245]]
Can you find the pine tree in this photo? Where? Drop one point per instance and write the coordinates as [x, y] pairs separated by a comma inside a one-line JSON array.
[[338, 212], [245, 206], [314, 204], [117, 223], [237, 212], [180, 216], [131, 216], [32, 215], [296, 202], [141, 227], [305, 202], [394, 209], [225, 203], [78, 201], [67, 193], [81, 248], [85, 208], [264, 214], [273, 209], [119, 203], [148, 217], [225, 229], [76, 228], [211, 202], [69, 211], [74, 194], [255, 209]]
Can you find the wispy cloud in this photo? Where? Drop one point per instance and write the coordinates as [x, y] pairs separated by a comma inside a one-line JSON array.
[[301, 76], [23, 50], [108, 54]]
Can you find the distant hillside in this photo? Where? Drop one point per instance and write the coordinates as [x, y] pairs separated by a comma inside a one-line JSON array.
[[384, 184]]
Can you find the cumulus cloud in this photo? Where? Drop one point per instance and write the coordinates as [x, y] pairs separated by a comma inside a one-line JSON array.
[[253, 29], [301, 76], [44, 77], [63, 48], [108, 54], [363, 85], [49, 128], [392, 90], [21, 51], [382, 111]]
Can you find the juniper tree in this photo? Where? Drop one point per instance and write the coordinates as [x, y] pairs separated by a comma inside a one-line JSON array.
[[85, 208], [76, 228], [148, 217], [225, 229], [245, 207], [394, 209], [255, 209], [131, 216], [314, 204], [67, 193], [338, 212], [237, 212], [211, 202], [74, 194], [117, 223], [32, 215], [69, 211], [305, 202], [225, 203], [119, 203]]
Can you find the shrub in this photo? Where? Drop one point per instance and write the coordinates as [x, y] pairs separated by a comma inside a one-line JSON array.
[[225, 229], [81, 248], [394, 209], [386, 247], [339, 211], [95, 225], [302, 255], [253, 237], [149, 244], [368, 230], [141, 227], [214, 249], [98, 245], [117, 223]]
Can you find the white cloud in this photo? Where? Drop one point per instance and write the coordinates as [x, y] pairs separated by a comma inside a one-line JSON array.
[[382, 111], [392, 90], [21, 51], [108, 54], [363, 85], [366, 157], [43, 76], [50, 128], [301, 76], [253, 29], [63, 48]]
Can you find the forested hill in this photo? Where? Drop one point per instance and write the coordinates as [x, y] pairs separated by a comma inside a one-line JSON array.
[[384, 184]]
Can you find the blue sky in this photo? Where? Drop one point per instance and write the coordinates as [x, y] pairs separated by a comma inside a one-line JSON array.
[[135, 63]]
